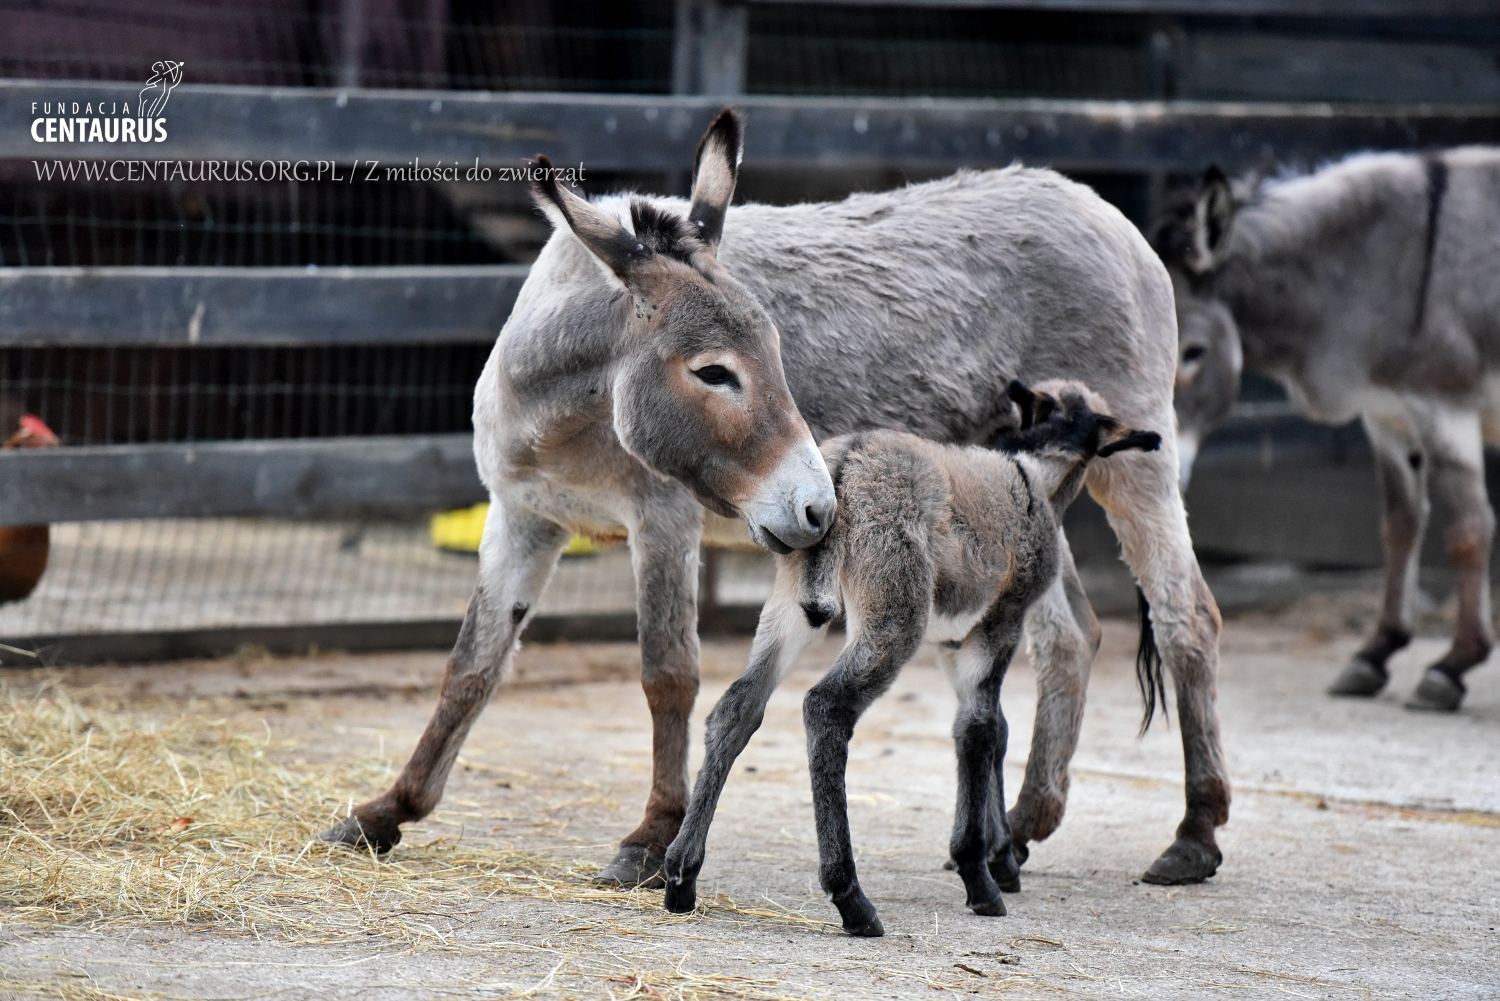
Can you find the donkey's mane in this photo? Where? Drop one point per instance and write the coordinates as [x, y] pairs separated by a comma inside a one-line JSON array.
[[664, 232]]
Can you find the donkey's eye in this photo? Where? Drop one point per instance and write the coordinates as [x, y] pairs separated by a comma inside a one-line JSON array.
[[1193, 352], [717, 375]]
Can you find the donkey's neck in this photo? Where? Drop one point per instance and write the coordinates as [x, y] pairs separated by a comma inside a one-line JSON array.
[[1298, 249]]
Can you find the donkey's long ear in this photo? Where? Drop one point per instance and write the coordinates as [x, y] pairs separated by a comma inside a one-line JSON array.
[[601, 232], [715, 172], [1213, 214]]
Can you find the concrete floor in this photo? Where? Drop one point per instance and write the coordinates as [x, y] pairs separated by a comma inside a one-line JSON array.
[[1362, 858]]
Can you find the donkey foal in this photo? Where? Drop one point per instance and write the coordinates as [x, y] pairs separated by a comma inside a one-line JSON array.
[[944, 542]]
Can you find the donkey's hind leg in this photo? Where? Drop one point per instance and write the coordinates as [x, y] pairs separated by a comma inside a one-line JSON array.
[[1064, 637], [516, 557], [1140, 494], [782, 634]]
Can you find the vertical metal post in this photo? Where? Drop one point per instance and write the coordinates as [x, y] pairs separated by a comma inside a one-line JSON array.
[[710, 47]]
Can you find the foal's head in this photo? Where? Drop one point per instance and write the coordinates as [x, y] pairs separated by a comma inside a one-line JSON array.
[[698, 390]]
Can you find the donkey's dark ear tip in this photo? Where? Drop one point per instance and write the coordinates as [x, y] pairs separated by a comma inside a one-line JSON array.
[[1213, 175]]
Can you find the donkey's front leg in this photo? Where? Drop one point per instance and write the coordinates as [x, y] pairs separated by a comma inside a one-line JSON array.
[[1064, 637], [781, 636], [1456, 479], [1401, 468], [516, 556], [1140, 494], [664, 551]]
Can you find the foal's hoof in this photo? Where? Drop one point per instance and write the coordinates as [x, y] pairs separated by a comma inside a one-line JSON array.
[[989, 908], [681, 897], [635, 865], [1359, 677], [1186, 861], [858, 914], [1006, 874], [358, 834], [1020, 852], [1437, 693]]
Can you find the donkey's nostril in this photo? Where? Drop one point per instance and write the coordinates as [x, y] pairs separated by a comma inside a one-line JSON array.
[[811, 514]]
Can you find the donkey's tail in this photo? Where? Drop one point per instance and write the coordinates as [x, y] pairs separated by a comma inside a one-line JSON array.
[[821, 596], [1148, 672]]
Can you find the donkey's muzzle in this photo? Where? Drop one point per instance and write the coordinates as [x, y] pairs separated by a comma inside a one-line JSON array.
[[795, 504]]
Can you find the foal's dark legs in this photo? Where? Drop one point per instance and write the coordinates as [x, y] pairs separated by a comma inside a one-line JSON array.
[[869, 663], [981, 843], [781, 636]]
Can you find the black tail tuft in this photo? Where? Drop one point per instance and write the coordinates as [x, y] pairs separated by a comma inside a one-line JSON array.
[[1148, 672]]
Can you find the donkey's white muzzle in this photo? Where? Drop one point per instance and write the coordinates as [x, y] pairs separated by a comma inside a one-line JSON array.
[[795, 504]]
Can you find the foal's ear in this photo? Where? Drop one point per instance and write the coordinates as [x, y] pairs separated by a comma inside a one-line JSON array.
[[715, 172], [1213, 214], [1025, 401], [1120, 439], [604, 235]]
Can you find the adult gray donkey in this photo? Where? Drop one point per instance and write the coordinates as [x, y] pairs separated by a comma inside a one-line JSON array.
[[1372, 289], [641, 373]]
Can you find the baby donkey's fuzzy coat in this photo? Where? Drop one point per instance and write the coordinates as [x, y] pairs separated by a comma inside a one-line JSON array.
[[932, 541]]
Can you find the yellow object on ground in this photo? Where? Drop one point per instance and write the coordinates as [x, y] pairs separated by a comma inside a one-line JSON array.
[[460, 531]]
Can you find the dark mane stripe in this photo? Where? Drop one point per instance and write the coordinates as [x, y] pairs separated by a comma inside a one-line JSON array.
[[1437, 186]]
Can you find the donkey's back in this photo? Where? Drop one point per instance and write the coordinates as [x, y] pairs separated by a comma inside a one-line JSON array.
[[914, 308]]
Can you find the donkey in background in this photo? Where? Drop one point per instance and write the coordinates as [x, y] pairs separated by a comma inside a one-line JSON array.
[[1371, 289], [641, 372], [943, 542]]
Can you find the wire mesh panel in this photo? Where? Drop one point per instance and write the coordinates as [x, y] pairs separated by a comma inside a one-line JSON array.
[[113, 396], [178, 575], [583, 45]]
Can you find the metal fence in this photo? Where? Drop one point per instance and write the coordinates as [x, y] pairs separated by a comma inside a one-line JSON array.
[[263, 387]]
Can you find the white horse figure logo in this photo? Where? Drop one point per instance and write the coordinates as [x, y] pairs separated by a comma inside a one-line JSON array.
[[165, 74]]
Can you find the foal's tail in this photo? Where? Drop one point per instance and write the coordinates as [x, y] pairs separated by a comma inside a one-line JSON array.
[[1148, 672]]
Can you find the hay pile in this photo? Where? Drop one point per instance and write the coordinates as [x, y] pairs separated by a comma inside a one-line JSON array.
[[118, 813], [111, 815]]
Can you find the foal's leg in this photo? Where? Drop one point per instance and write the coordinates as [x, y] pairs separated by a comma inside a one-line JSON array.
[[1140, 494], [879, 643], [664, 551], [1401, 465], [1064, 637], [780, 637], [1456, 454], [979, 736], [516, 556]]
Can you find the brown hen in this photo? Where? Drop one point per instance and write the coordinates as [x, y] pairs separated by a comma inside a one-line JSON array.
[[23, 549]]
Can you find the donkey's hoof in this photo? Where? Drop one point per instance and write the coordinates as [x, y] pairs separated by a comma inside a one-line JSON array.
[[1359, 677], [358, 834], [681, 897], [635, 865], [1437, 693], [1186, 861]]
